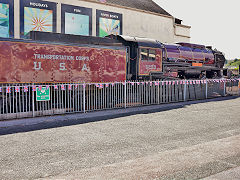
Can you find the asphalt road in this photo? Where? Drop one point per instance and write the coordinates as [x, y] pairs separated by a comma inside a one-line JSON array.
[[189, 142]]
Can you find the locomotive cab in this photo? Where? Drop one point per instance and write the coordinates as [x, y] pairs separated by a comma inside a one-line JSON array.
[[145, 57]]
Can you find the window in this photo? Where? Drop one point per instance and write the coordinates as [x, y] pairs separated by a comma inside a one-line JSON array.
[[144, 54], [152, 55], [148, 54]]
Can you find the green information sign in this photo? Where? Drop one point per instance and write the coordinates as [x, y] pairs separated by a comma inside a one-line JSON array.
[[43, 94]]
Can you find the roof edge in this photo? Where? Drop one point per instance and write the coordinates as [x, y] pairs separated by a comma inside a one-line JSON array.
[[184, 26], [124, 7], [160, 7]]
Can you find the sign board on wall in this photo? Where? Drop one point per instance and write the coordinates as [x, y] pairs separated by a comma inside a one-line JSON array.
[[37, 15], [6, 18], [76, 20], [108, 23]]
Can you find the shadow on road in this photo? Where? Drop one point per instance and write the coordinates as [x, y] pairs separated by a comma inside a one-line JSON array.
[[80, 118]]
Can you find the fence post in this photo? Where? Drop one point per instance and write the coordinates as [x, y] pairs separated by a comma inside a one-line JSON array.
[[238, 86], [125, 95], [206, 88], [158, 92], [84, 98], [185, 90], [224, 88], [33, 107]]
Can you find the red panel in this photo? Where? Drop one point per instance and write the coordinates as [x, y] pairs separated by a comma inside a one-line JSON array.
[[145, 67], [33, 62]]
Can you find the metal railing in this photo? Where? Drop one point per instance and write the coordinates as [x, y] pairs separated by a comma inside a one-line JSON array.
[[19, 100]]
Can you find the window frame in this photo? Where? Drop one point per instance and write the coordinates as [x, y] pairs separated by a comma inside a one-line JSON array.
[[149, 59]]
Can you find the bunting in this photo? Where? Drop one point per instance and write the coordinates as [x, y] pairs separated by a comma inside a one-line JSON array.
[[62, 87], [17, 89], [34, 88], [25, 89], [8, 89], [39, 88]]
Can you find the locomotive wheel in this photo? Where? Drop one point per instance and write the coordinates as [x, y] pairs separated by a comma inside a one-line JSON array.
[[202, 75], [215, 75]]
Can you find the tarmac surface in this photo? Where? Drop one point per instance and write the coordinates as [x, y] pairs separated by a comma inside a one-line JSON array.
[[190, 140]]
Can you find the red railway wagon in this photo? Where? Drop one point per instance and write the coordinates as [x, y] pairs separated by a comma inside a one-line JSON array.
[[38, 62], [150, 59]]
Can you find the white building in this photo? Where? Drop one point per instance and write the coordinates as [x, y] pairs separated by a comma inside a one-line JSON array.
[[141, 18]]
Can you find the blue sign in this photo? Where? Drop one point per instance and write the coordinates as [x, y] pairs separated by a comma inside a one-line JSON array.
[[76, 20], [6, 19]]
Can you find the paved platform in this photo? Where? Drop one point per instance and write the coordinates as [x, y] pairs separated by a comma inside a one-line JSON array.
[[190, 140], [27, 124], [232, 174], [175, 164]]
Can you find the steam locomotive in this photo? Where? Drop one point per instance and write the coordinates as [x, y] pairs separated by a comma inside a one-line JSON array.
[[54, 57], [180, 60]]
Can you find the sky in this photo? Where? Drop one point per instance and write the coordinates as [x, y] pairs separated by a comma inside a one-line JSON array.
[[213, 22]]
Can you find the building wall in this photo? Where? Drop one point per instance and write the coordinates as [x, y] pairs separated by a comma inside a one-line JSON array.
[[134, 22], [182, 33]]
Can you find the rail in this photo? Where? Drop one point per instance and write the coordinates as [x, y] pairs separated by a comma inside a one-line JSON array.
[[31, 100]]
